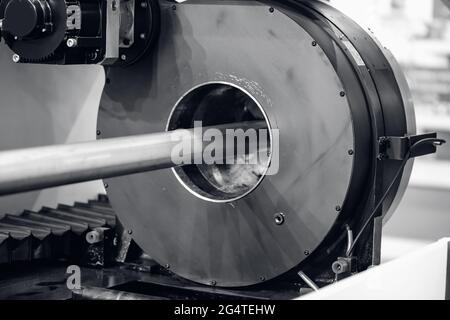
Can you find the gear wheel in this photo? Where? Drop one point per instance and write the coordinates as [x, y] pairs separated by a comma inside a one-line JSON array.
[[36, 41]]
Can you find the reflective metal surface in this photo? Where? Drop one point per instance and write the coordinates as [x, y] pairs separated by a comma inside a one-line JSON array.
[[238, 243], [42, 167]]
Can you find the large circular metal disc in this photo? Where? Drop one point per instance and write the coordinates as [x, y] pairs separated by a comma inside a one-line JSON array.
[[270, 57]]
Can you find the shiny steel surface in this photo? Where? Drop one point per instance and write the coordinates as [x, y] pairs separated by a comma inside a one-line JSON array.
[[237, 243], [42, 167]]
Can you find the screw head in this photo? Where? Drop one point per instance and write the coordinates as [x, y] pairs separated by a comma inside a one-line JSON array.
[[98, 132], [15, 58], [279, 218], [314, 43], [342, 94], [351, 152], [106, 185], [338, 208], [143, 4], [306, 252], [271, 10], [213, 282], [262, 278], [167, 266], [130, 231], [142, 36], [71, 43], [174, 7], [123, 57]]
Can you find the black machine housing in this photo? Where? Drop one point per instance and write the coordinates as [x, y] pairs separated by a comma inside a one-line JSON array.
[[103, 32]]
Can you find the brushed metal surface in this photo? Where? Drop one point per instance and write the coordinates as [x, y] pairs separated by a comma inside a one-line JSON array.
[[272, 58]]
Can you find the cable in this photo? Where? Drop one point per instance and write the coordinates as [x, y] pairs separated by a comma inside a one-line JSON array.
[[433, 141]]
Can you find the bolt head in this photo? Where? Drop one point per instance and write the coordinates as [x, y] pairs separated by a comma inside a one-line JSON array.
[[15, 58], [71, 43], [279, 218], [123, 57], [340, 267]]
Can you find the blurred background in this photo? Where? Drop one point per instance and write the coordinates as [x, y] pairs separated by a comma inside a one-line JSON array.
[[33, 113], [418, 34]]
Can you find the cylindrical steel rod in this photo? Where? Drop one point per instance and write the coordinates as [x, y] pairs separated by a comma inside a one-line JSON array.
[[43, 167]]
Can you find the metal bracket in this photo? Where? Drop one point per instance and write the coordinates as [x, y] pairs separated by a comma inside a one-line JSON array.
[[397, 148]]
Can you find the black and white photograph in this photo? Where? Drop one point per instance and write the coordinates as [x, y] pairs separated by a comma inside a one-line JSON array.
[[225, 158]]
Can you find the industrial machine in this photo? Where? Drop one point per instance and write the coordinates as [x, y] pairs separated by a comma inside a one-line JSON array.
[[336, 98]]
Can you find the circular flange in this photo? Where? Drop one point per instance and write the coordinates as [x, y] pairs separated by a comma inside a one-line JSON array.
[[220, 103], [241, 242]]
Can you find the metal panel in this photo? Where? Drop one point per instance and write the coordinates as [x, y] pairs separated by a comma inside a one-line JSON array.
[[239, 243]]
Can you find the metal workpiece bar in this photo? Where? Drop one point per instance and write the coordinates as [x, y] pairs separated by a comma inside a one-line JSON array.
[[43, 167]]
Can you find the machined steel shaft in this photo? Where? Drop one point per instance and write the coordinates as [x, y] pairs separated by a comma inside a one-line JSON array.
[[43, 167]]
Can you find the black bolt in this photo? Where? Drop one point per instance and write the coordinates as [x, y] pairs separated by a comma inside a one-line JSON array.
[[108, 80], [167, 266], [213, 282], [174, 7], [98, 132], [271, 10], [351, 152], [130, 231], [262, 278], [106, 185], [306, 252], [338, 208], [342, 94], [314, 43]]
